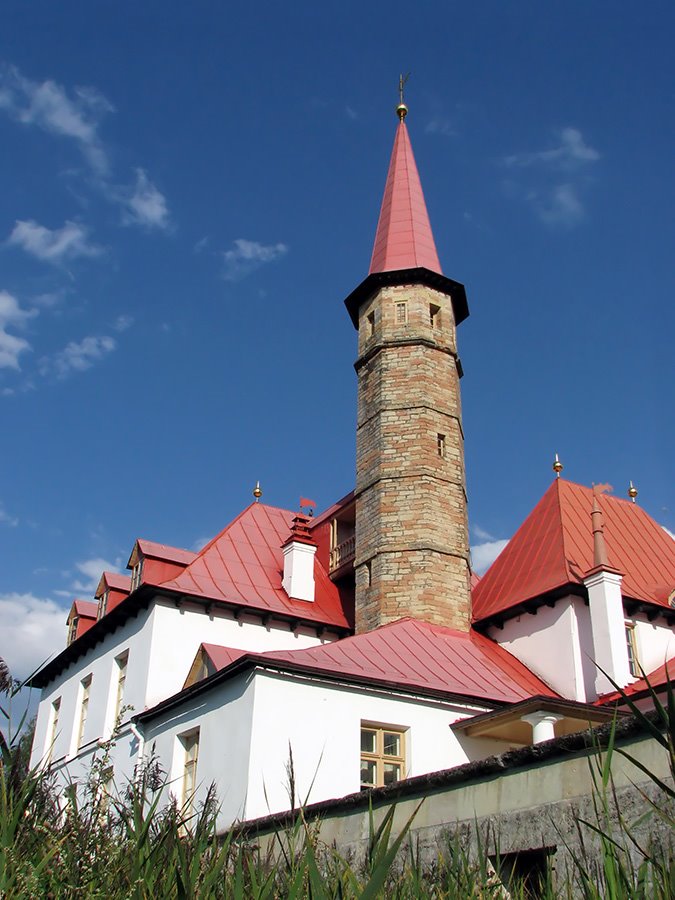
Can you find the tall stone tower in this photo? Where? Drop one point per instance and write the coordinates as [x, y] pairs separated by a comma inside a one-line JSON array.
[[412, 548]]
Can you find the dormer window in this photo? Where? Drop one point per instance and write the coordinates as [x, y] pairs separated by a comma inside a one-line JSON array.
[[72, 629], [137, 574], [103, 604]]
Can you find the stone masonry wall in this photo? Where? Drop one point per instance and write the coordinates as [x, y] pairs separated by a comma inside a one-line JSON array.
[[412, 553]]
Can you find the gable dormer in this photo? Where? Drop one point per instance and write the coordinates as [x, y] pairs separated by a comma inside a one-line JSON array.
[[112, 589], [156, 563], [81, 617]]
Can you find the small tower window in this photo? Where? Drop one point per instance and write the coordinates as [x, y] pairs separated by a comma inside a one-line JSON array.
[[370, 318], [434, 315], [401, 313], [440, 445]]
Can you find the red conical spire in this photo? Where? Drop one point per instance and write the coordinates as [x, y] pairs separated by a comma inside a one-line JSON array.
[[404, 239]]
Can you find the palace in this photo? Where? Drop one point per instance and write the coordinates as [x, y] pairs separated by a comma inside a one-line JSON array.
[[301, 657]]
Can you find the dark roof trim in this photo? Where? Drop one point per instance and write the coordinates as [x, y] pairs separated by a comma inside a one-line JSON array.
[[140, 599], [494, 766], [260, 661], [419, 275], [570, 708], [652, 609]]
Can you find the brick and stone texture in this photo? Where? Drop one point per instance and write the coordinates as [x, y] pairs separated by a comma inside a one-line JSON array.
[[412, 549]]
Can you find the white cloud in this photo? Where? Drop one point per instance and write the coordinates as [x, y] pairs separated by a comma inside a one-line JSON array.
[[553, 179], [11, 346], [481, 533], [483, 555], [247, 256], [6, 519], [560, 206], [92, 569], [123, 322], [144, 204], [571, 152], [440, 125], [33, 629], [53, 245], [351, 113], [49, 106], [78, 356]]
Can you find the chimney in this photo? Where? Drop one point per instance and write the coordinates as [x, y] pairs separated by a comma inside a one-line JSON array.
[[299, 550], [605, 603]]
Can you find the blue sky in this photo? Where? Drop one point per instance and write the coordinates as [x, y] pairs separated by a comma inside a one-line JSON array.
[[188, 194]]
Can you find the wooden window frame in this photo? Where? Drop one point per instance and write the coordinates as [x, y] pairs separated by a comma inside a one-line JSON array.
[[379, 757], [54, 725], [632, 649], [122, 663], [84, 708], [188, 742], [401, 312]]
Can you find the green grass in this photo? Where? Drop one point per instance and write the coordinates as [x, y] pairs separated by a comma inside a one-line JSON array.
[[88, 844]]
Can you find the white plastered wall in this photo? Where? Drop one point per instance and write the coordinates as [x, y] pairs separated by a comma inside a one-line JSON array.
[[655, 643], [162, 642], [321, 722], [223, 716], [555, 643]]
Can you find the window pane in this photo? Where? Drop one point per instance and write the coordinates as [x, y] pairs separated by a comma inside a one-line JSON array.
[[392, 773], [392, 744], [368, 773], [368, 741]]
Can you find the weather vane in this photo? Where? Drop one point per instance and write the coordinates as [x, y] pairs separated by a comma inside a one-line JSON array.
[[402, 109]]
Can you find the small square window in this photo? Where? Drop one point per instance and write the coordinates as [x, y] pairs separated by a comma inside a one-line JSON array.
[[401, 313], [382, 756]]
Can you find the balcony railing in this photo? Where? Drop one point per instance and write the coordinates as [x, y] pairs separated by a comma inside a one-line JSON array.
[[343, 553]]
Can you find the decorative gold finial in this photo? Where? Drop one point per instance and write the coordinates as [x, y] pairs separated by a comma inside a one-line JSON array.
[[557, 466], [632, 491], [257, 491], [402, 109]]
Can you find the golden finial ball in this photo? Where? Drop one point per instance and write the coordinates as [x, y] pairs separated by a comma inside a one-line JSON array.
[[401, 111], [557, 466], [257, 491], [632, 491]]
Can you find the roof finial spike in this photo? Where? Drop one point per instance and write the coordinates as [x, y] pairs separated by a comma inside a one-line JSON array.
[[402, 109], [632, 491], [557, 466], [257, 491]]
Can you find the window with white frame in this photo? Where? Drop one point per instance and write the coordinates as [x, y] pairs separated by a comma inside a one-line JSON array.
[[121, 664], [189, 743], [72, 630], [631, 645], [137, 574], [54, 727], [85, 687], [103, 603], [382, 755]]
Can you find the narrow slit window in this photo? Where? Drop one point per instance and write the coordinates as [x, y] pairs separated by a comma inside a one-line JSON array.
[[434, 315], [371, 323], [122, 662], [190, 744], [440, 445], [401, 313], [631, 646], [54, 730], [84, 709]]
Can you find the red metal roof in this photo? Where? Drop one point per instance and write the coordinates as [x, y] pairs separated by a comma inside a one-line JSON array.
[[85, 609], [244, 565], [404, 239], [415, 655], [554, 547], [657, 679], [164, 551], [222, 656]]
